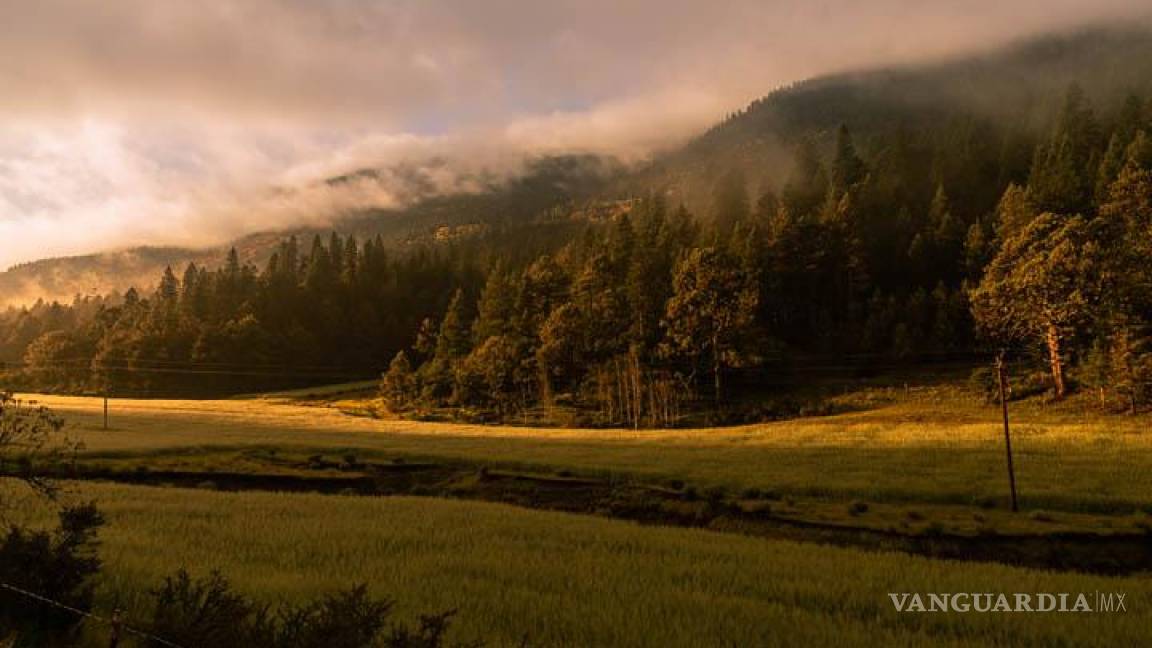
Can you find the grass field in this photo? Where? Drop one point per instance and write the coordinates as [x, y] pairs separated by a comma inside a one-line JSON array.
[[565, 580], [929, 445]]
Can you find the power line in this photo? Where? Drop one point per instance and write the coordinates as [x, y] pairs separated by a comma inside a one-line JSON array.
[[192, 371]]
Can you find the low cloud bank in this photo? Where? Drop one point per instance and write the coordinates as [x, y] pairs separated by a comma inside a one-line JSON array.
[[164, 122]]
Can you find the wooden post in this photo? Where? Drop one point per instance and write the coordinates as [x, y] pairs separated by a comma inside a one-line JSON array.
[[1007, 435], [114, 637], [105, 407]]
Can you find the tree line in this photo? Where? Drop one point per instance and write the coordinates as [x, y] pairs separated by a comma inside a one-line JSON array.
[[963, 235]]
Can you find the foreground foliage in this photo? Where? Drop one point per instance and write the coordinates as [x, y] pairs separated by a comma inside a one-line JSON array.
[[573, 580], [209, 612]]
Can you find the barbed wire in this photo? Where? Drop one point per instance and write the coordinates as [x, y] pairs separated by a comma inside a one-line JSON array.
[[114, 623]]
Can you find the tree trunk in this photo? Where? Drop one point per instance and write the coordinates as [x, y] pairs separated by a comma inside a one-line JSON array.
[[1052, 338]]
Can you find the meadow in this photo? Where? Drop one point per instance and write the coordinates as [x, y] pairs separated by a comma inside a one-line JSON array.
[[927, 445], [566, 580]]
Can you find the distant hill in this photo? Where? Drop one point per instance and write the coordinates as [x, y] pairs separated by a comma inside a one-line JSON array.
[[1021, 84], [549, 182], [1013, 88], [61, 279]]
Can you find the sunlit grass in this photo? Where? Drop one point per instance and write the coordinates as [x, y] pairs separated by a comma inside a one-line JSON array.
[[565, 580], [927, 445]]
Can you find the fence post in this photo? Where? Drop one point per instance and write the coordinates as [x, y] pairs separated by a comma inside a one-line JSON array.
[[116, 623]]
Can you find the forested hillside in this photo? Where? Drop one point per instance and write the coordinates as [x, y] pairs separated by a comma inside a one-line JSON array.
[[882, 216], [425, 214]]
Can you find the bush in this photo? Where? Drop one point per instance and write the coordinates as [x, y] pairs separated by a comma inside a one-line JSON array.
[[346, 619], [982, 382], [858, 507], [715, 493], [58, 565], [207, 612]]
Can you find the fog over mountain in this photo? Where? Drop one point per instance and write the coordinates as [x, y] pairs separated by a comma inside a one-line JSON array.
[[144, 122]]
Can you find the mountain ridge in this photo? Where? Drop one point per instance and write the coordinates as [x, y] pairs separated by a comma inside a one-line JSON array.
[[757, 140]]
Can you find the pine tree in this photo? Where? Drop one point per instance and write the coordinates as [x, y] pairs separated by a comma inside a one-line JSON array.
[[496, 310], [730, 202], [976, 251], [1064, 170], [398, 385], [1127, 307], [1014, 212], [454, 340], [847, 167], [711, 308], [1043, 285], [807, 184]]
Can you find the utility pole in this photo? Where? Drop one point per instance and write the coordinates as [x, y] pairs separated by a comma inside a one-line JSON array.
[[1007, 435]]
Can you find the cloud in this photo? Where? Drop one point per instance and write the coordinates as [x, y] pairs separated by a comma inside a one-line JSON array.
[[162, 121]]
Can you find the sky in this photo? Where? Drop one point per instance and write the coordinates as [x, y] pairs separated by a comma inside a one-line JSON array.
[[132, 122]]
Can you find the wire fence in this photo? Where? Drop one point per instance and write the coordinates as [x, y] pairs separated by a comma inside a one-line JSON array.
[[114, 622]]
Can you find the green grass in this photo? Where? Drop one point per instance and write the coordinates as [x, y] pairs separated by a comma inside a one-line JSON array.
[[565, 580], [926, 445], [322, 392]]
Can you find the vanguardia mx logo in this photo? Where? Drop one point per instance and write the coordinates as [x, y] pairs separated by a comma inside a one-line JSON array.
[[988, 602]]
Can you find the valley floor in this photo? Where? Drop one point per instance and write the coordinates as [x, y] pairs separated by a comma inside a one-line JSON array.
[[931, 444], [918, 460]]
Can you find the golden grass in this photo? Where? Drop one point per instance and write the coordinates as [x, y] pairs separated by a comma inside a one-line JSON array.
[[565, 580], [928, 445]]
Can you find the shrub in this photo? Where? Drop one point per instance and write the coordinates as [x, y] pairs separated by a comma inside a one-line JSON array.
[[715, 493], [982, 382], [346, 619], [858, 507], [58, 565], [399, 386], [207, 612]]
